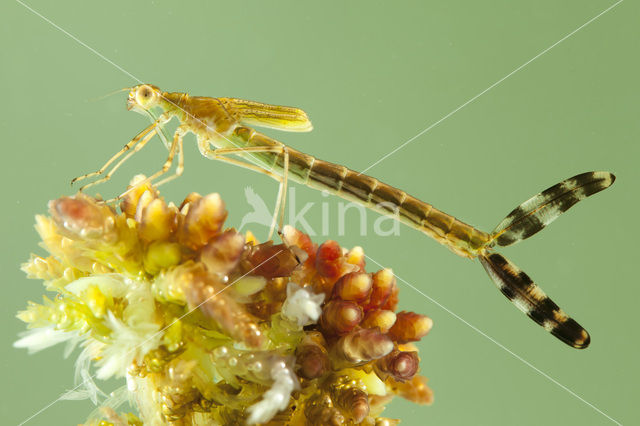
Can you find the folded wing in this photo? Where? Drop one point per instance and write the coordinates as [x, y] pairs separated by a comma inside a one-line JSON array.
[[251, 113]]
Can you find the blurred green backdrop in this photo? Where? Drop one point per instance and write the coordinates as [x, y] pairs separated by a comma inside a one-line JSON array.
[[371, 75]]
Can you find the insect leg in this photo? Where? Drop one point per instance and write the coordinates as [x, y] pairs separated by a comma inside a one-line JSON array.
[[177, 141], [180, 167], [169, 161], [243, 164], [126, 148], [220, 153], [137, 148], [282, 198]]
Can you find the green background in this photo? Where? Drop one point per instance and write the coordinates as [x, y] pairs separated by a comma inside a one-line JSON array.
[[371, 75]]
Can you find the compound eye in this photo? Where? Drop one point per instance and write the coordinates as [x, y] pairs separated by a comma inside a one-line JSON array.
[[144, 94]]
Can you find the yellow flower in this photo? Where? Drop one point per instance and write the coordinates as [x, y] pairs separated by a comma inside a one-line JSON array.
[[210, 327]]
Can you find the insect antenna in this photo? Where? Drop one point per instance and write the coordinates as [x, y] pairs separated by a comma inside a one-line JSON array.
[[108, 94]]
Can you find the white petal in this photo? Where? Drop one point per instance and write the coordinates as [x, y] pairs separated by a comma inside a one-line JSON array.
[[277, 397], [41, 338], [302, 306]]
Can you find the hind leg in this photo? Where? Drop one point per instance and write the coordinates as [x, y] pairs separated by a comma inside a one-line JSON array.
[[221, 154]]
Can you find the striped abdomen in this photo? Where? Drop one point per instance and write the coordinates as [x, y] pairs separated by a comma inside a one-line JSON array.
[[524, 221], [461, 238]]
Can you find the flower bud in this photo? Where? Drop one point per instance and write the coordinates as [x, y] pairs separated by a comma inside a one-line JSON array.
[[293, 237], [161, 255], [340, 316], [271, 261], [204, 291], [415, 390], [380, 318], [157, 221], [312, 356], [402, 366], [329, 259], [320, 411], [129, 204], [410, 327], [222, 254], [356, 257], [361, 346], [203, 221], [383, 284], [352, 400], [82, 217], [354, 286]]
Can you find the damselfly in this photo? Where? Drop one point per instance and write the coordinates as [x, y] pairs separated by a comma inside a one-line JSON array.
[[222, 128]]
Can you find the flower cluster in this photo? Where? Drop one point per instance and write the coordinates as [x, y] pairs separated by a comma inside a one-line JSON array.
[[210, 327]]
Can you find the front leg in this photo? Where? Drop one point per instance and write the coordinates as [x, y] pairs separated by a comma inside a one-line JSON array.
[[139, 141]]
